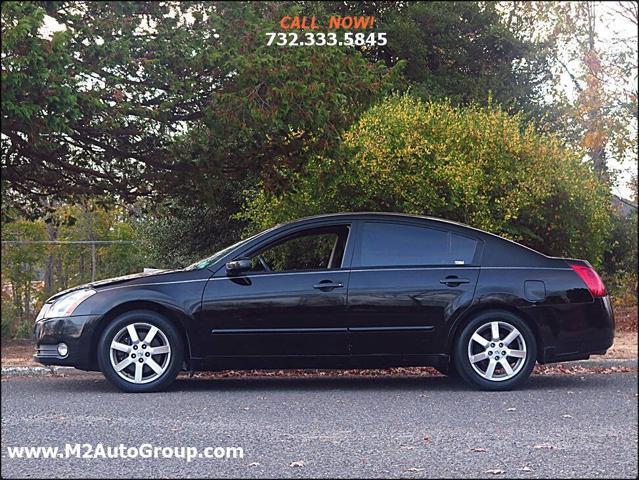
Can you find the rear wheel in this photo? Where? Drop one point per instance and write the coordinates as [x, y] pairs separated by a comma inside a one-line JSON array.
[[496, 350], [140, 351]]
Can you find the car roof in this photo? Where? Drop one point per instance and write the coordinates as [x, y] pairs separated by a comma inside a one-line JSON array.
[[377, 215]]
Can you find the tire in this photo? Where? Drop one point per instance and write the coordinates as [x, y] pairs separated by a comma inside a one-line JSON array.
[[487, 369], [142, 364]]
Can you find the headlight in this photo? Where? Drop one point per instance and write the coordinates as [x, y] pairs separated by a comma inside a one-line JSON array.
[[64, 306]]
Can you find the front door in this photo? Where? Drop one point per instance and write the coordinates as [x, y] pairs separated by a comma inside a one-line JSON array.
[[292, 302], [406, 282]]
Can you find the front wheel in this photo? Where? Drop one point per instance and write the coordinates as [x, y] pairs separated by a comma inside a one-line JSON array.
[[140, 351], [496, 350]]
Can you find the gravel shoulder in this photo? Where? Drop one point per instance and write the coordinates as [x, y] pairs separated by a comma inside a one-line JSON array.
[[17, 356]]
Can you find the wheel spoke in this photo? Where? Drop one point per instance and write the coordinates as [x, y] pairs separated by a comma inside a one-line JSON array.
[[133, 333], [131, 350], [123, 364], [159, 350], [494, 330], [517, 353], [491, 369], [479, 357], [479, 339], [510, 337], [153, 364], [150, 334], [507, 368], [121, 347], [496, 353]]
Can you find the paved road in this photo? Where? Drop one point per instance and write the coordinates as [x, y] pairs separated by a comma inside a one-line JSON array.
[[403, 427]]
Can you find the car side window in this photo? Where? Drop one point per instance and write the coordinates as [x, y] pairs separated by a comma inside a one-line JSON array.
[[385, 244], [316, 249]]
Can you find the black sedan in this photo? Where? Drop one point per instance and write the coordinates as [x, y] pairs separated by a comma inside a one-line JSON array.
[[338, 291]]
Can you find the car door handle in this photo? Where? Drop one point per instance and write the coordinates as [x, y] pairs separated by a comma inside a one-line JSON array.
[[327, 285], [453, 281]]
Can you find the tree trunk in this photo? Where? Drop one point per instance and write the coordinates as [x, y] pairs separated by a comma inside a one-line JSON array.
[[61, 274], [27, 300], [49, 279], [90, 235], [81, 263], [93, 262]]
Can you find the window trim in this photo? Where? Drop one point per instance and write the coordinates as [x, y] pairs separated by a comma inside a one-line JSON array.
[[357, 264], [281, 237]]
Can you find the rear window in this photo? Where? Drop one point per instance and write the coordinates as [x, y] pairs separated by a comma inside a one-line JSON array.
[[388, 244]]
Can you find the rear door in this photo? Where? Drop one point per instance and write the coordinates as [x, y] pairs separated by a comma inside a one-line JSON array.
[[407, 280]]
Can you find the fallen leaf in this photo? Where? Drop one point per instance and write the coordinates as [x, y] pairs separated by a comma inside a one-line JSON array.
[[299, 463], [478, 449], [413, 469], [544, 446], [495, 471]]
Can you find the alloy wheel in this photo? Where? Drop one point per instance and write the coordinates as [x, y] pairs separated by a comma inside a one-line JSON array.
[[497, 351], [140, 353]]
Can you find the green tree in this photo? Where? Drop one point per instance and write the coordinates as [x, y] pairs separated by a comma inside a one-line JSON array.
[[461, 51], [21, 263], [135, 98], [31, 272], [168, 101], [620, 258], [78, 263], [476, 165], [592, 94]]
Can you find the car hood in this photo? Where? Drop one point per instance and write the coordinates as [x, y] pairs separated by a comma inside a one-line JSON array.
[[114, 281]]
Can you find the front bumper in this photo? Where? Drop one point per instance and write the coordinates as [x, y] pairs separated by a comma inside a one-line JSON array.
[[76, 332]]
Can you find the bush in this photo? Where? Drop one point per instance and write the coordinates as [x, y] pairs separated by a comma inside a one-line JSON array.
[[25, 329], [476, 165], [5, 327], [622, 287]]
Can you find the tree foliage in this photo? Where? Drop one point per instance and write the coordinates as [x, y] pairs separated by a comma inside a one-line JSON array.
[[133, 98], [62, 265], [181, 107], [472, 164], [592, 94]]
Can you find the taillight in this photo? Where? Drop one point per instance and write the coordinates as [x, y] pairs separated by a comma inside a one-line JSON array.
[[591, 279]]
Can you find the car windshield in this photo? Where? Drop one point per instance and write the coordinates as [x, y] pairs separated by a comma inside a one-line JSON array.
[[206, 262]]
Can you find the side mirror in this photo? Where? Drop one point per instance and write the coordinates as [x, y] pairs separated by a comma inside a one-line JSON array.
[[238, 266]]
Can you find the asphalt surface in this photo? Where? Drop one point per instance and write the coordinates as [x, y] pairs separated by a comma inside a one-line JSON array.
[[406, 427]]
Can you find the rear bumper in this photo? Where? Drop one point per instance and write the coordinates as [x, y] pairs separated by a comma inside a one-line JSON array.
[[587, 329], [76, 332]]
